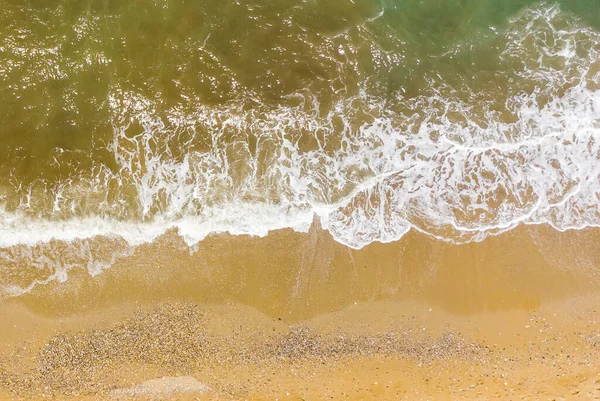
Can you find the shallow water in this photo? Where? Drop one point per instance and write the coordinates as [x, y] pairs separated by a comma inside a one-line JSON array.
[[121, 121]]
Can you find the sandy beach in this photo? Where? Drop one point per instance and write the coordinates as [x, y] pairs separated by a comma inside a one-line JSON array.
[[300, 200], [468, 329]]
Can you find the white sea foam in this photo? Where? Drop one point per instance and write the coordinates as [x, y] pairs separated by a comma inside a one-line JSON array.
[[450, 163]]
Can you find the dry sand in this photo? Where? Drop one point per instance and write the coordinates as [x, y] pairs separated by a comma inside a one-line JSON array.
[[298, 317]]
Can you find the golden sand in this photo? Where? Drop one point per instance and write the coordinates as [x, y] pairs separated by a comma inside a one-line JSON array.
[[298, 317]]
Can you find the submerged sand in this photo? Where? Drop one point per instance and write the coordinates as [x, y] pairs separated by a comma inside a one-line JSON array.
[[299, 317]]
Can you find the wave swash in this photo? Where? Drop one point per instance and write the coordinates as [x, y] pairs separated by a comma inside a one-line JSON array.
[[458, 160]]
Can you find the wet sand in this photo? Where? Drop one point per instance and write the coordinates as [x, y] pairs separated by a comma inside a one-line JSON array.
[[299, 317]]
